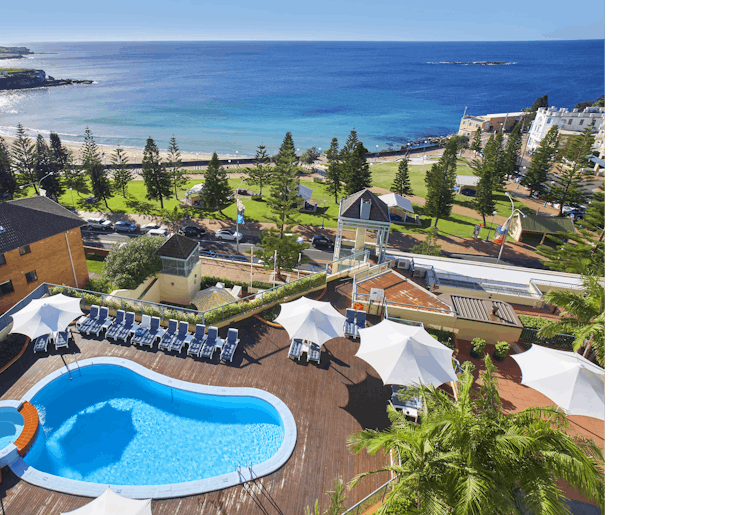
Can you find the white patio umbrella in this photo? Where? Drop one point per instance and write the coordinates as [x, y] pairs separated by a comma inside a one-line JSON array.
[[574, 383], [46, 315], [311, 320], [406, 355], [110, 503]]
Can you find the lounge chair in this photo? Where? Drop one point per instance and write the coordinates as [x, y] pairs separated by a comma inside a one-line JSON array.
[[314, 354], [62, 339], [350, 325], [169, 335], [231, 343], [122, 330], [137, 330], [83, 322], [195, 345], [361, 321], [95, 325], [296, 347], [109, 322], [414, 403], [182, 337], [153, 333], [212, 341], [40, 344], [112, 325]]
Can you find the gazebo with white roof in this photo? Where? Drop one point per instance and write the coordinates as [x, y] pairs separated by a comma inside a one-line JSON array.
[[399, 207], [363, 211]]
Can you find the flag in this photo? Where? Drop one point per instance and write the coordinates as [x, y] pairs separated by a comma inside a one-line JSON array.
[[241, 209], [501, 234]]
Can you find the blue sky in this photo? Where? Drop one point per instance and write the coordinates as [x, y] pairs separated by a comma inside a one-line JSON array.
[[386, 20]]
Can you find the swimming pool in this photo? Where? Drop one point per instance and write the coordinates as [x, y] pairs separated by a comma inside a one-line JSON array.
[[11, 425], [118, 423]]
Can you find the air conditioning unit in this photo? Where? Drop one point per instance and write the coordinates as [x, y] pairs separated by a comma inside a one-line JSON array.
[[403, 264], [420, 272]]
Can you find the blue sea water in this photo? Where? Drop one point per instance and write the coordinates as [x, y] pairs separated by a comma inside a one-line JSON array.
[[230, 97], [112, 426]]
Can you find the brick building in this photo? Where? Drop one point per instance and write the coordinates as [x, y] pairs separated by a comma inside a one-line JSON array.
[[40, 241]]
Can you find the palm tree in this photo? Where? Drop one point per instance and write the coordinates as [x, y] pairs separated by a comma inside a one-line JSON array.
[[468, 457], [584, 316]]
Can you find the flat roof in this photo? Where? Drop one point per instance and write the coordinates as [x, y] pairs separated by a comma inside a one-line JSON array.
[[400, 290], [499, 273], [483, 310]]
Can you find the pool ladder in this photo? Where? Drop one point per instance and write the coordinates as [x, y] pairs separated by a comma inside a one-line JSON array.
[[75, 357], [250, 472]]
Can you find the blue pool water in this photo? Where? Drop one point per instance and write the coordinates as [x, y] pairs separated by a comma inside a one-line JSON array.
[[11, 426], [109, 425]]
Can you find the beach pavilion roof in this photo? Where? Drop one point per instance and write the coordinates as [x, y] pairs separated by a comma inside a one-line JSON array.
[[351, 207], [304, 191], [396, 200], [466, 180]]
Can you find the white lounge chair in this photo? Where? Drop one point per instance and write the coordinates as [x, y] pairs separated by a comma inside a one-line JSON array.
[[195, 345], [40, 344], [296, 348], [62, 339], [231, 343]]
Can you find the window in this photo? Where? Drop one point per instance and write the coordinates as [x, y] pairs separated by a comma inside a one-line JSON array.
[[24, 250], [2, 259], [570, 122], [31, 277], [6, 288], [581, 122]]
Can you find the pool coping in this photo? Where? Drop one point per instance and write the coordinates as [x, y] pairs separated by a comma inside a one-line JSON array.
[[241, 475]]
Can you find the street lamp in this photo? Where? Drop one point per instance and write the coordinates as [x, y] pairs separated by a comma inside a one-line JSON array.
[[507, 223], [492, 225], [38, 183], [72, 199], [378, 152], [323, 220]]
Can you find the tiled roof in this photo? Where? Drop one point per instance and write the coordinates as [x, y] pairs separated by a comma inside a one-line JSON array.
[[485, 310], [547, 224], [349, 207], [28, 220], [177, 246]]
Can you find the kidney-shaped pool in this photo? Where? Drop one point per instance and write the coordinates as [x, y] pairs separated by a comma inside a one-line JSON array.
[[113, 422]]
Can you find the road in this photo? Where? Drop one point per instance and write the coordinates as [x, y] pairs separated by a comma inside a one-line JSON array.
[[105, 239]]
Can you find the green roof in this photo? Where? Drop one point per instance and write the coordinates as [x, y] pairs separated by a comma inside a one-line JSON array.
[[546, 224]]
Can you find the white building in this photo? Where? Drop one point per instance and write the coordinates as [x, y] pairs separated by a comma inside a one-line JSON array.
[[570, 122]]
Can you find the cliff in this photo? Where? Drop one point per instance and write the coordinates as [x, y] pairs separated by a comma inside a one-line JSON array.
[[14, 52], [21, 78]]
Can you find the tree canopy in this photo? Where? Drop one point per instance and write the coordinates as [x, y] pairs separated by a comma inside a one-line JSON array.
[[542, 161], [8, 184], [157, 179], [22, 154], [260, 173], [401, 182], [469, 456], [97, 173], [283, 198], [216, 190], [357, 174], [334, 171], [45, 169], [130, 263], [486, 168], [476, 143], [121, 175], [568, 188], [173, 164], [440, 181]]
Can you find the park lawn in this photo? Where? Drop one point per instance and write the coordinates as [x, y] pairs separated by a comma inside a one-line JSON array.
[[384, 173], [95, 263]]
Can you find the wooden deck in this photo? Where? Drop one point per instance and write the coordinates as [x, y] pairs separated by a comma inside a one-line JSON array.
[[400, 290], [342, 396]]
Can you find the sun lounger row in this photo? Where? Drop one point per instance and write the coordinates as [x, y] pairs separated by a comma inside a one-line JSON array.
[[148, 332], [355, 321]]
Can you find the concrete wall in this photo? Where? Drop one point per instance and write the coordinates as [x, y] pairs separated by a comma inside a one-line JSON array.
[[181, 290], [510, 299], [51, 261], [492, 333]]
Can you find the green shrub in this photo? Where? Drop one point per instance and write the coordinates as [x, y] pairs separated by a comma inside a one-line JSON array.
[[501, 349], [477, 346], [533, 322], [447, 338], [101, 285], [208, 281]]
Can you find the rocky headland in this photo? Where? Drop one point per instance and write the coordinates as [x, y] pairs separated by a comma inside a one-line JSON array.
[[23, 78]]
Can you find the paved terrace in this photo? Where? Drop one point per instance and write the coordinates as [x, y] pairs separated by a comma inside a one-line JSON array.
[[342, 396]]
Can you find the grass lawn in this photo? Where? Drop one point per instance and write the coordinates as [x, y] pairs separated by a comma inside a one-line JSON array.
[[95, 263], [258, 210]]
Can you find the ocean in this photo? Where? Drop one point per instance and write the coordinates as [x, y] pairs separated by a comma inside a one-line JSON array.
[[229, 97]]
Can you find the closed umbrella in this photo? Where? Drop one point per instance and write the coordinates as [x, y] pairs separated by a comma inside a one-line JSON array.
[[574, 383], [406, 355], [46, 315], [110, 503], [311, 320]]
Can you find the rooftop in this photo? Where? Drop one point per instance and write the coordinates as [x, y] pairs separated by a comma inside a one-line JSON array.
[[177, 246], [547, 224], [483, 310], [28, 220], [349, 207], [399, 290]]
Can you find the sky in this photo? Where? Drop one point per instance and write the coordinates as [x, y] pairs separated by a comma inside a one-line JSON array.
[[324, 20]]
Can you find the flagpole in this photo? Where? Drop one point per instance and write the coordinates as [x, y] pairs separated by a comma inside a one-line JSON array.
[[275, 267], [507, 224], [252, 270], [299, 259]]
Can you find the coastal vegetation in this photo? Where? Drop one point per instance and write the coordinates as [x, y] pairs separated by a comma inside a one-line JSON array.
[[157, 179], [97, 173], [440, 181], [468, 455], [216, 190], [401, 183]]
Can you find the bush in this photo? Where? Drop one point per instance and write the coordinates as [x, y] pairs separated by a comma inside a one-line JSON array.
[[533, 322], [501, 349], [447, 338], [129, 264], [208, 281], [100, 285], [477, 346]]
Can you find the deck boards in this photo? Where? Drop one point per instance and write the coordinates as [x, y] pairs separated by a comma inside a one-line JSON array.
[[329, 402]]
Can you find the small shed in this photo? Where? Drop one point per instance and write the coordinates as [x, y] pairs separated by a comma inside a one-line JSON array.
[[466, 184], [305, 193], [400, 208], [181, 272], [539, 225]]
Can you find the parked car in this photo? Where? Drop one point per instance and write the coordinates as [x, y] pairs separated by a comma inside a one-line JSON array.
[[227, 234], [193, 231], [162, 232], [123, 226], [99, 223], [576, 214], [90, 200], [150, 226], [319, 240]]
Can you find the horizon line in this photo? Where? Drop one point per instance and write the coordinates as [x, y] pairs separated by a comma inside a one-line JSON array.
[[304, 41]]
